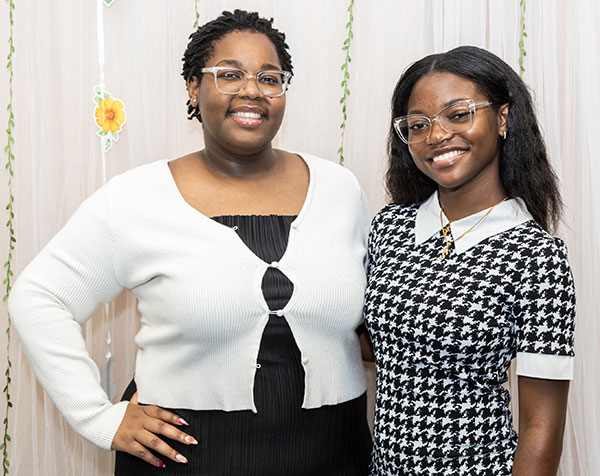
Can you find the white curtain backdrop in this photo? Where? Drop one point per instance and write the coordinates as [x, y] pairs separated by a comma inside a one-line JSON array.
[[58, 159]]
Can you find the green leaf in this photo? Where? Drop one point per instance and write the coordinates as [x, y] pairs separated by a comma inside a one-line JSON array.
[[97, 99], [115, 136], [101, 133], [106, 95], [107, 144]]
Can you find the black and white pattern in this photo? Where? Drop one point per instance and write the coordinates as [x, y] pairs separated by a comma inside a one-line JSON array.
[[444, 334]]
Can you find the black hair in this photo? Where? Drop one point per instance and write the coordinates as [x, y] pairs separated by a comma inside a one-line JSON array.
[[202, 44], [525, 170]]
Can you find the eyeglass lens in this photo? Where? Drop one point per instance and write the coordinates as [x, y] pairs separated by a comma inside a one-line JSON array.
[[456, 118], [232, 81]]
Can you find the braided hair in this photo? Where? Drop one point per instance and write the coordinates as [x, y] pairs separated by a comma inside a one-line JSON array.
[[202, 44]]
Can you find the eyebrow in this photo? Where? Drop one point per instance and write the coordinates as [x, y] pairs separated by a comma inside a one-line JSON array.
[[449, 103], [237, 64]]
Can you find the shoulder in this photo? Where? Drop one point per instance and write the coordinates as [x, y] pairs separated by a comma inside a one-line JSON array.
[[144, 182], [393, 223], [329, 170], [394, 214], [536, 243], [140, 176], [542, 260]]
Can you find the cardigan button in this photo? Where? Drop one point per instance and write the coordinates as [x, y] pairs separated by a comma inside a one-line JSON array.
[[279, 313], [274, 264]]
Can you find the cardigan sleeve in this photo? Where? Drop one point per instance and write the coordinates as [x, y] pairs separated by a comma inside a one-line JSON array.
[[56, 293]]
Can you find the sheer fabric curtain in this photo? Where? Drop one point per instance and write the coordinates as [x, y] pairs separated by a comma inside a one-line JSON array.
[[58, 160]]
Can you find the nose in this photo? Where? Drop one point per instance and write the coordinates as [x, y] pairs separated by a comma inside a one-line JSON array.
[[250, 89], [437, 133]]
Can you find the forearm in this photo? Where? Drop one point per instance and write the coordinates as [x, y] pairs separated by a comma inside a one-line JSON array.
[[538, 452]]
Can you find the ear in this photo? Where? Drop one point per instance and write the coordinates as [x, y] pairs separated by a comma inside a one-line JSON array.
[[503, 120], [192, 89]]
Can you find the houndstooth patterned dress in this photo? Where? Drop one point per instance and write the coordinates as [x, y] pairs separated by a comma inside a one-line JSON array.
[[444, 334]]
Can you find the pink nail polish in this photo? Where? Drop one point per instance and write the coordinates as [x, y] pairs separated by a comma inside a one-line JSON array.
[[183, 422], [160, 464], [191, 440], [181, 458]]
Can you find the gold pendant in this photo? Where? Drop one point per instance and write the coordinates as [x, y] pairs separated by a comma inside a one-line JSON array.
[[446, 250]]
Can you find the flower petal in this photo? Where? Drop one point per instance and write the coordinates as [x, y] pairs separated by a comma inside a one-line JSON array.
[[120, 117], [114, 127]]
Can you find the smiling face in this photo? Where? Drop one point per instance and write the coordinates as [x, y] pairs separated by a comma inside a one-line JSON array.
[[244, 123], [467, 160]]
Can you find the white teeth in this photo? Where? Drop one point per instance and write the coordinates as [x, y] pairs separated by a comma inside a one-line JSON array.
[[448, 155], [248, 115]]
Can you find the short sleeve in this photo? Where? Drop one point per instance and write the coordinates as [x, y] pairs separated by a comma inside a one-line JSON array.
[[545, 313]]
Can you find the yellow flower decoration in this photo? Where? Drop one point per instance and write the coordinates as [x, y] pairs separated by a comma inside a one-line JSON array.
[[110, 115]]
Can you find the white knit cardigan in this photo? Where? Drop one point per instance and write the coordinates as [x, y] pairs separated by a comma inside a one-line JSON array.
[[200, 298]]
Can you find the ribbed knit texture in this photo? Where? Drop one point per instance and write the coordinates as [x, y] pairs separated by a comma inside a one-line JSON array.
[[282, 438], [199, 294]]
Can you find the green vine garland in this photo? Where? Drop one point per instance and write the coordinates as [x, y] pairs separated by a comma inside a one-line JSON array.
[[346, 69], [522, 52], [9, 224], [197, 14]]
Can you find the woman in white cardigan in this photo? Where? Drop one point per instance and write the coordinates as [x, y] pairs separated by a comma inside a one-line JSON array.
[[248, 265]]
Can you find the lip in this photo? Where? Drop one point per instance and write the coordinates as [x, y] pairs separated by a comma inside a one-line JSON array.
[[249, 117], [446, 157]]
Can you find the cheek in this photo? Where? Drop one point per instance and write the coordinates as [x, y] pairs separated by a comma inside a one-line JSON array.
[[278, 110], [418, 155]]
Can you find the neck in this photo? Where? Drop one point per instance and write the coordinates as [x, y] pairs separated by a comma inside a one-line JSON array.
[[461, 203], [240, 166]]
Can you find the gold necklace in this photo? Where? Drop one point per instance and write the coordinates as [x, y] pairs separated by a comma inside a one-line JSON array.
[[446, 229]]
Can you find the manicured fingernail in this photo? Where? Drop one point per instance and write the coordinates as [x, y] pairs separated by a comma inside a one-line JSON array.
[[160, 464], [183, 422], [181, 458], [191, 440]]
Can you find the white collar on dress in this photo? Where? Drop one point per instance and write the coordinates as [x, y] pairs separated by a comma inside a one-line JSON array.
[[505, 216]]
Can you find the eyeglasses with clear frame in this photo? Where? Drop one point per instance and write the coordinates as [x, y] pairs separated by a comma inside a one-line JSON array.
[[228, 80], [456, 118]]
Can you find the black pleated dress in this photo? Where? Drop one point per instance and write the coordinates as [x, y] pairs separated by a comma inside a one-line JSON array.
[[282, 439]]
